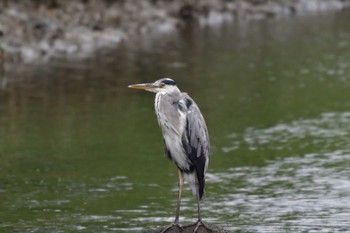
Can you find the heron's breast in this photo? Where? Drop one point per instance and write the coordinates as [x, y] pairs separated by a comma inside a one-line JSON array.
[[172, 123]]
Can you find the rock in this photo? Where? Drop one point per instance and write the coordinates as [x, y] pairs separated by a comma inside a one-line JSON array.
[[36, 31], [189, 229]]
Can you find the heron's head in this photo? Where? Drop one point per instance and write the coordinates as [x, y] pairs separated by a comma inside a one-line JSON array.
[[164, 85]]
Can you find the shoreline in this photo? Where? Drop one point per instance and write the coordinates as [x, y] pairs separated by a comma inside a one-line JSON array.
[[32, 32]]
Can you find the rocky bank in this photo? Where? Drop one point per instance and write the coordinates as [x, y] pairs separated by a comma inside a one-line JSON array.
[[34, 31]]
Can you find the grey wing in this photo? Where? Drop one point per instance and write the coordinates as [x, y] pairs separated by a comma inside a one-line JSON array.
[[195, 135], [195, 139]]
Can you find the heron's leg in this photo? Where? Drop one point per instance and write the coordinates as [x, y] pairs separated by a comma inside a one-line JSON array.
[[198, 204], [176, 222], [181, 183], [199, 221]]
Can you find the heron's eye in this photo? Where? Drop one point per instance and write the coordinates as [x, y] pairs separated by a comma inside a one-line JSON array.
[[162, 85]]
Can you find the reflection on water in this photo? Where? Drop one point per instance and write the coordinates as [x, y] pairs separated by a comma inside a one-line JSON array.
[[306, 192], [309, 193], [81, 152], [331, 130]]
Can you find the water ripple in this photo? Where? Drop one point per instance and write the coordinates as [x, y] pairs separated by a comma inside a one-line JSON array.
[[328, 131], [309, 193]]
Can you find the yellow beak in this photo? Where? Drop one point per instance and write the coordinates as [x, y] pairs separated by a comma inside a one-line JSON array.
[[143, 86]]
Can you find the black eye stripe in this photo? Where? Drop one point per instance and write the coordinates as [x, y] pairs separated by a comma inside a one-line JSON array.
[[169, 82]]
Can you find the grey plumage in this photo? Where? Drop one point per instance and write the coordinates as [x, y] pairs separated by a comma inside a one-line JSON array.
[[185, 135]]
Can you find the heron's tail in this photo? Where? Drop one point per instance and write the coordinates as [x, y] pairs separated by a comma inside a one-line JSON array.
[[195, 184]]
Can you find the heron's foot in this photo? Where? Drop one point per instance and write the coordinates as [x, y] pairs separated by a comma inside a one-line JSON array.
[[199, 224], [170, 226]]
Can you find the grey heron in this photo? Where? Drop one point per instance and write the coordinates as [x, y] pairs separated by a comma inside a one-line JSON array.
[[185, 137]]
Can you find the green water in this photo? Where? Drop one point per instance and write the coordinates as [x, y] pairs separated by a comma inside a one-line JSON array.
[[79, 152]]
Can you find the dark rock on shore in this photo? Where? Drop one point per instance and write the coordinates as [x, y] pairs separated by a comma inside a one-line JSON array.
[[36, 31], [189, 229]]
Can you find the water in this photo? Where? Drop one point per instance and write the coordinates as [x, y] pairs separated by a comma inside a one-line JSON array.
[[79, 152]]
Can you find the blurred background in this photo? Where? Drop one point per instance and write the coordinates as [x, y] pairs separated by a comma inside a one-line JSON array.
[[80, 152]]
